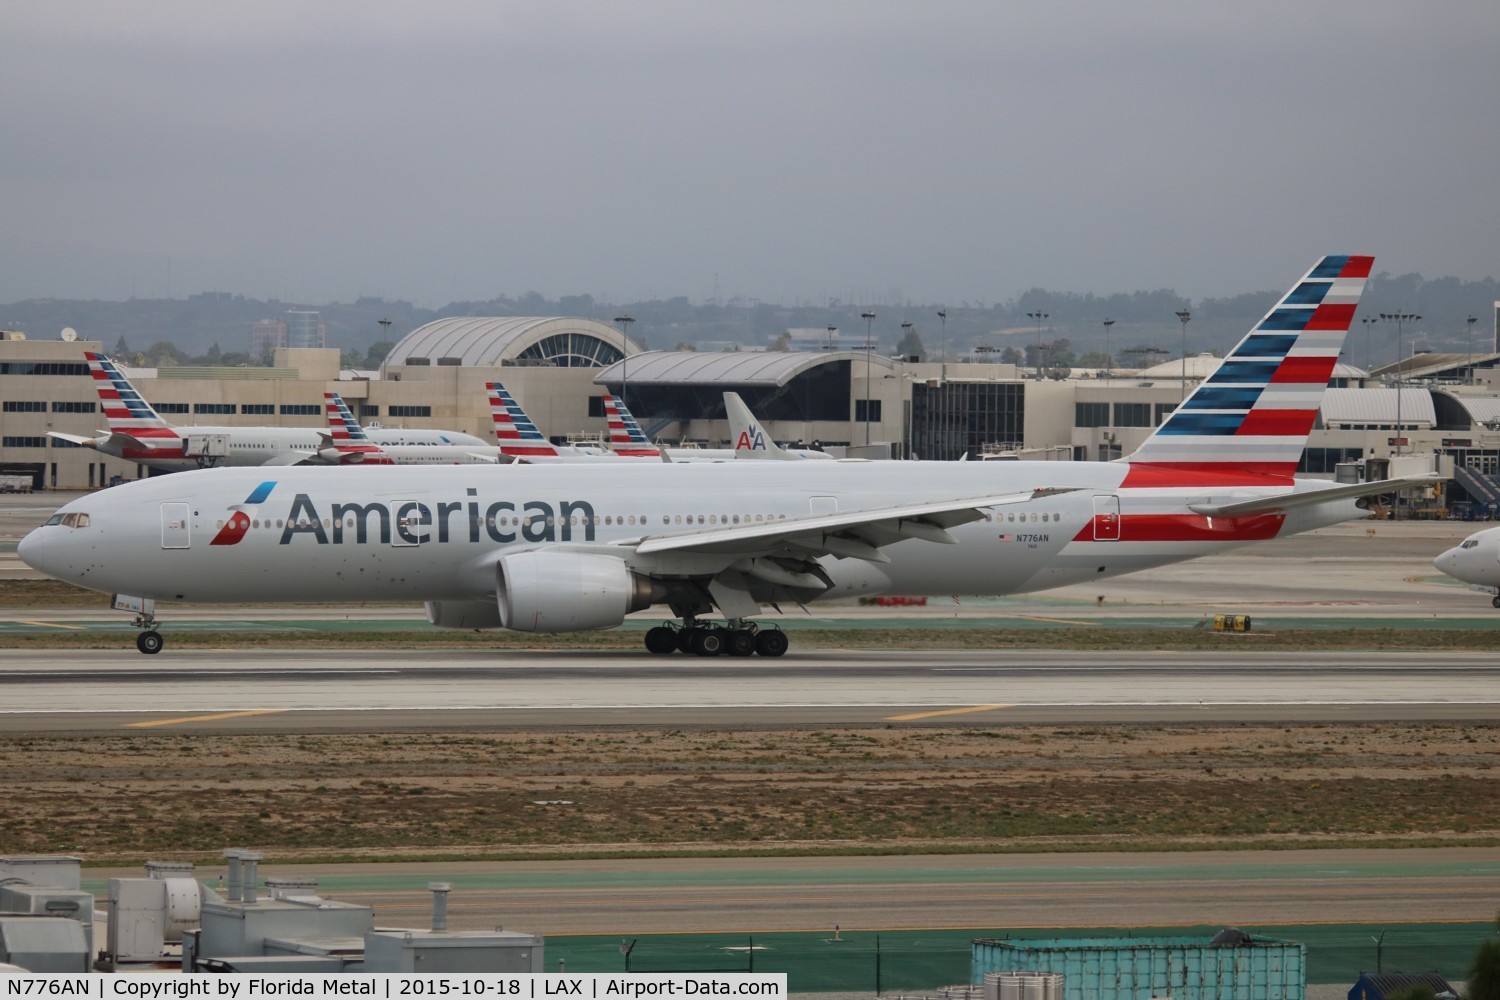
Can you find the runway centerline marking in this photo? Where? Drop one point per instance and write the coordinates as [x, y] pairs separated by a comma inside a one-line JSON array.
[[202, 718], [946, 711], [76, 628], [1060, 621]]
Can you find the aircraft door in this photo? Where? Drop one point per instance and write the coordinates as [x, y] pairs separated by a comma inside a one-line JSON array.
[[822, 505], [176, 526], [1107, 518], [412, 521]]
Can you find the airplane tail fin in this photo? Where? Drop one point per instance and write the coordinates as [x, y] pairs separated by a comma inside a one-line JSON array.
[[750, 438], [514, 431], [625, 435], [124, 409], [1251, 418], [345, 429]]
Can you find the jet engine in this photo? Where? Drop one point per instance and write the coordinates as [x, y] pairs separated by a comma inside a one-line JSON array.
[[463, 614], [551, 591]]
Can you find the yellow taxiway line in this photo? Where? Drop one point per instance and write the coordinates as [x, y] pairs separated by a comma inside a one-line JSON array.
[[946, 711], [201, 718]]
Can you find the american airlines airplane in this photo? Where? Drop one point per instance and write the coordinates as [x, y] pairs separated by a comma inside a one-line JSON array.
[[347, 443], [575, 546], [137, 433], [750, 439], [1475, 560]]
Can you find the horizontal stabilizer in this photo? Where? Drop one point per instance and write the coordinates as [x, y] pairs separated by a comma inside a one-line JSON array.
[[1284, 500], [290, 458], [82, 442]]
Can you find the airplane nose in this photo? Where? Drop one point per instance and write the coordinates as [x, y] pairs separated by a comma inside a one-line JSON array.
[[39, 550]]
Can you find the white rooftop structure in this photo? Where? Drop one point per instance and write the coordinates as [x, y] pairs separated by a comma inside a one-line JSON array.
[[1343, 407], [488, 341], [763, 368]]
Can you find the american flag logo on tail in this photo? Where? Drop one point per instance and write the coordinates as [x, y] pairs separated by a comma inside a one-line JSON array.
[[1251, 418], [514, 431], [124, 409]]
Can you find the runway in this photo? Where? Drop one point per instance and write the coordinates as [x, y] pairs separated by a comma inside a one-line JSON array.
[[668, 895], [283, 690]]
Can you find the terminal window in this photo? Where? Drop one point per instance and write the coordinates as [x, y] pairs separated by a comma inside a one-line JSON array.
[[213, 407], [73, 406], [300, 409], [25, 406], [410, 411]]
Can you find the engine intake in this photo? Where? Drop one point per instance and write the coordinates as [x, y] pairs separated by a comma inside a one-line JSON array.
[[549, 591]]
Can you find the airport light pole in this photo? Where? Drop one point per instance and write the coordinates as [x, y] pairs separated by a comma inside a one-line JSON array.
[[1109, 365], [1183, 315], [832, 330], [1367, 321], [943, 316], [1039, 316], [869, 319], [1471, 321], [385, 329], [1399, 318], [624, 322]]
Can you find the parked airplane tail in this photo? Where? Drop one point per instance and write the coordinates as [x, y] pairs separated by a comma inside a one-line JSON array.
[[1251, 418], [127, 413], [625, 435], [750, 438], [341, 423], [514, 431]]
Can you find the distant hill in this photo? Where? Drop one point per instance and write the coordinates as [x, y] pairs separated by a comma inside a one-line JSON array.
[[195, 325]]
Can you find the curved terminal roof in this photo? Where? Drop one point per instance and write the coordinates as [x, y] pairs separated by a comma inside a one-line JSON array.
[[481, 341], [1482, 410], [1378, 406], [750, 368]]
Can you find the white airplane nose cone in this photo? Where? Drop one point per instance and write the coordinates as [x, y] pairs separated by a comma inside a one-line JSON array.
[[1444, 562], [32, 551]]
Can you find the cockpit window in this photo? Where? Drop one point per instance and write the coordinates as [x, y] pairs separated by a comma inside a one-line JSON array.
[[1469, 543], [55, 519], [70, 520]]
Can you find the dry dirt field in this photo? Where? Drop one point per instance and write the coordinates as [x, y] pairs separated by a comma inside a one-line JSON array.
[[603, 792]]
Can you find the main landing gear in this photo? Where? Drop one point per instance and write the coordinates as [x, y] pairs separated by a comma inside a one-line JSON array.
[[736, 637]]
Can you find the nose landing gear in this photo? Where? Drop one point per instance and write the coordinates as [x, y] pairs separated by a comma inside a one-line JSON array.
[[149, 641]]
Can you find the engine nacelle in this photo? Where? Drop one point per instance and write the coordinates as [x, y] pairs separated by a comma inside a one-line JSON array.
[[464, 614], [549, 591]]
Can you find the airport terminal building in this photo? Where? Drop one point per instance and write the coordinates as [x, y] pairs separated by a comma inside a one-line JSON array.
[[850, 402]]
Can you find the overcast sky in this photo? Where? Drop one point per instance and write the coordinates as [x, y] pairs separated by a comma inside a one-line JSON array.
[[872, 151]]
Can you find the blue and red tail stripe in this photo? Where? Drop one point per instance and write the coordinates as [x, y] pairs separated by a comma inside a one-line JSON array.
[[1252, 416]]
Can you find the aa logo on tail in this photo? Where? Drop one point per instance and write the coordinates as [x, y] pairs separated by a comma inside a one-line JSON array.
[[751, 440]]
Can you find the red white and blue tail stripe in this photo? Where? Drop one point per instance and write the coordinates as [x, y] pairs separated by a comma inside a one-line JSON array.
[[626, 438], [350, 442], [1251, 418], [124, 408], [514, 431]]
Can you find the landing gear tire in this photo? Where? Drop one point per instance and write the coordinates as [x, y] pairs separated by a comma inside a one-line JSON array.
[[661, 640], [710, 641], [741, 642], [149, 642], [1495, 602], [771, 642]]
